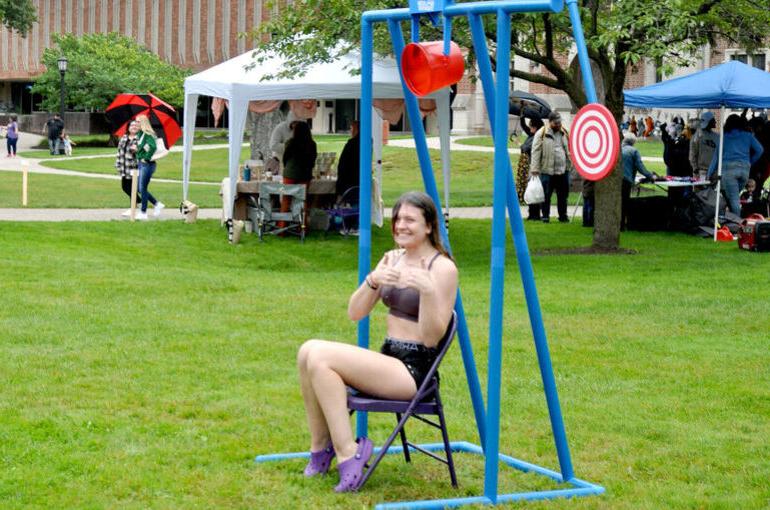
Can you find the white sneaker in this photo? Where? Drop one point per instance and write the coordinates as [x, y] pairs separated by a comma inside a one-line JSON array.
[[159, 206], [141, 216], [126, 213]]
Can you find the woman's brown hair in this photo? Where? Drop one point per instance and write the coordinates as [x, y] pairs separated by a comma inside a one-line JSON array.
[[424, 203]]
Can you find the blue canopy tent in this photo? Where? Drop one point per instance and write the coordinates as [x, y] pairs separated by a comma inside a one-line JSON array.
[[729, 85]]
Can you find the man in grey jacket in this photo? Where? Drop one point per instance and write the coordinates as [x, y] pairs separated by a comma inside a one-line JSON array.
[[703, 145], [550, 161]]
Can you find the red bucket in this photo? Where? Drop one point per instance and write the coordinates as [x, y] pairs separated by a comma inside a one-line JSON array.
[[426, 69]]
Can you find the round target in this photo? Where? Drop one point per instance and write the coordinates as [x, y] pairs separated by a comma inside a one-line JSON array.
[[594, 142]]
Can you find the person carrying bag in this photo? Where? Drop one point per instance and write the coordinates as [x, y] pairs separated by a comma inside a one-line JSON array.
[[534, 194]]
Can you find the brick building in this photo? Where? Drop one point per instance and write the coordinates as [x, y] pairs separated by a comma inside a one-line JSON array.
[[196, 34]]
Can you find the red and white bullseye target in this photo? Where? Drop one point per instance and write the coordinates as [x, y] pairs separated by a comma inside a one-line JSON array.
[[594, 142]]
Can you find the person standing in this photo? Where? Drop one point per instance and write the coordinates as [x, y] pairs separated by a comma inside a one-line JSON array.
[[12, 136], [550, 161], [145, 147], [54, 128], [702, 146], [522, 169], [299, 157], [280, 136], [126, 161], [348, 166], [676, 155], [741, 150], [632, 162]]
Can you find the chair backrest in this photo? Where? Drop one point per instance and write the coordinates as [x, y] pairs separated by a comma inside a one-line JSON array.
[[443, 346], [350, 197], [297, 191]]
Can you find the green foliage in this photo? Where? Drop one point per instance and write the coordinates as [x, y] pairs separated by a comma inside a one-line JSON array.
[[18, 15], [102, 66], [618, 33]]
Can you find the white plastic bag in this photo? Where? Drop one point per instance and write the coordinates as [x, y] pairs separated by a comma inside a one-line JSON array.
[[160, 150], [534, 193]]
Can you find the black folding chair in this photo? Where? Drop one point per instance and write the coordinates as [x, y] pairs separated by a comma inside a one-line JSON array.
[[426, 401]]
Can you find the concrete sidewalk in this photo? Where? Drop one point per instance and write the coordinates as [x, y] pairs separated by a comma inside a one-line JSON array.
[[456, 145], [171, 213]]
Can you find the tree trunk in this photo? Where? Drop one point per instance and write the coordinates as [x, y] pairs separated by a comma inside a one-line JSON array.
[[607, 213], [607, 193]]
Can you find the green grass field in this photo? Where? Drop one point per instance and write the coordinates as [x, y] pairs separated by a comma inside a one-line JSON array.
[[145, 365], [60, 191]]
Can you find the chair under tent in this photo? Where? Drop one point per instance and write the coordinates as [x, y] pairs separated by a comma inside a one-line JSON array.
[[268, 219]]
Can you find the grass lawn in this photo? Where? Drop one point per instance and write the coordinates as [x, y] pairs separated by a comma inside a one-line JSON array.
[[145, 365], [58, 191]]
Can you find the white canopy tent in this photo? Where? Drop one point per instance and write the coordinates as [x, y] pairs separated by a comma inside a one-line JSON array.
[[238, 81]]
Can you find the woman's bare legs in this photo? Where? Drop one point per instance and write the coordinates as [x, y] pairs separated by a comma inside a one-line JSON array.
[[319, 431], [325, 369]]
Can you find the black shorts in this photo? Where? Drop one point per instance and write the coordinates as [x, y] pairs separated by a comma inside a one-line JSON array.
[[416, 357]]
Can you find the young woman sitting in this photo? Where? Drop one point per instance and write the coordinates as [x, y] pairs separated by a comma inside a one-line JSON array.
[[418, 283]]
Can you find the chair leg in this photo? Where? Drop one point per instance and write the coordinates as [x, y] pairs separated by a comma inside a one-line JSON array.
[[445, 437], [407, 457], [384, 449]]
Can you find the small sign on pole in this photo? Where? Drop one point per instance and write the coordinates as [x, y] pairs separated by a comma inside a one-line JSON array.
[[134, 186], [24, 182]]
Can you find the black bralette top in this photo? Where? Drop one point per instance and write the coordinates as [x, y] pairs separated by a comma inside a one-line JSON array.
[[403, 303]]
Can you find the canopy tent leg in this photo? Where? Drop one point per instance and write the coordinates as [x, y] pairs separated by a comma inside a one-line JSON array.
[[719, 168], [444, 135], [238, 112], [377, 206], [190, 109]]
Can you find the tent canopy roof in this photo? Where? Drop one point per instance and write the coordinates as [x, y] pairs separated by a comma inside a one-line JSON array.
[[732, 84], [233, 80]]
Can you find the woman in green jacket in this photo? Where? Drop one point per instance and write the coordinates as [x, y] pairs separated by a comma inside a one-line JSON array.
[[145, 147]]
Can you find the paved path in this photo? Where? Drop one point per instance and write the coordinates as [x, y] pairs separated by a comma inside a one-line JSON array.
[[457, 145], [29, 141], [204, 214]]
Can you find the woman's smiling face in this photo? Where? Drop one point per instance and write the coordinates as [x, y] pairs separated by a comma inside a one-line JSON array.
[[410, 230]]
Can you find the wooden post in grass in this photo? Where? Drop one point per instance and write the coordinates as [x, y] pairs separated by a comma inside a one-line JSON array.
[[24, 181], [134, 186]]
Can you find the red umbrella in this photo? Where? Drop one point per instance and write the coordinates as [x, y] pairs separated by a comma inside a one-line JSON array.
[[126, 107]]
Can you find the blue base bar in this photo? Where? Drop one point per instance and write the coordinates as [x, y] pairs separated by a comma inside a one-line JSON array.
[[578, 487]]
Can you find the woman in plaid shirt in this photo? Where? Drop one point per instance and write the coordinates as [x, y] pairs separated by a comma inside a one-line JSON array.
[[126, 161]]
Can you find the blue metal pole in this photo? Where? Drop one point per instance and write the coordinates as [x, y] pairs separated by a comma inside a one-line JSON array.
[[415, 28], [497, 263], [525, 267], [365, 186], [447, 34], [429, 179], [582, 51]]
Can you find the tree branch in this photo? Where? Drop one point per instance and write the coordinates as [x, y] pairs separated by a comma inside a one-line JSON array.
[[535, 78], [548, 36]]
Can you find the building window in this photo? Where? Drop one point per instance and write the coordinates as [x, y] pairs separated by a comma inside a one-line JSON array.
[[758, 60]]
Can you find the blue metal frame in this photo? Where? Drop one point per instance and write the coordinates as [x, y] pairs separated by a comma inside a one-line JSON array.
[[496, 94]]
